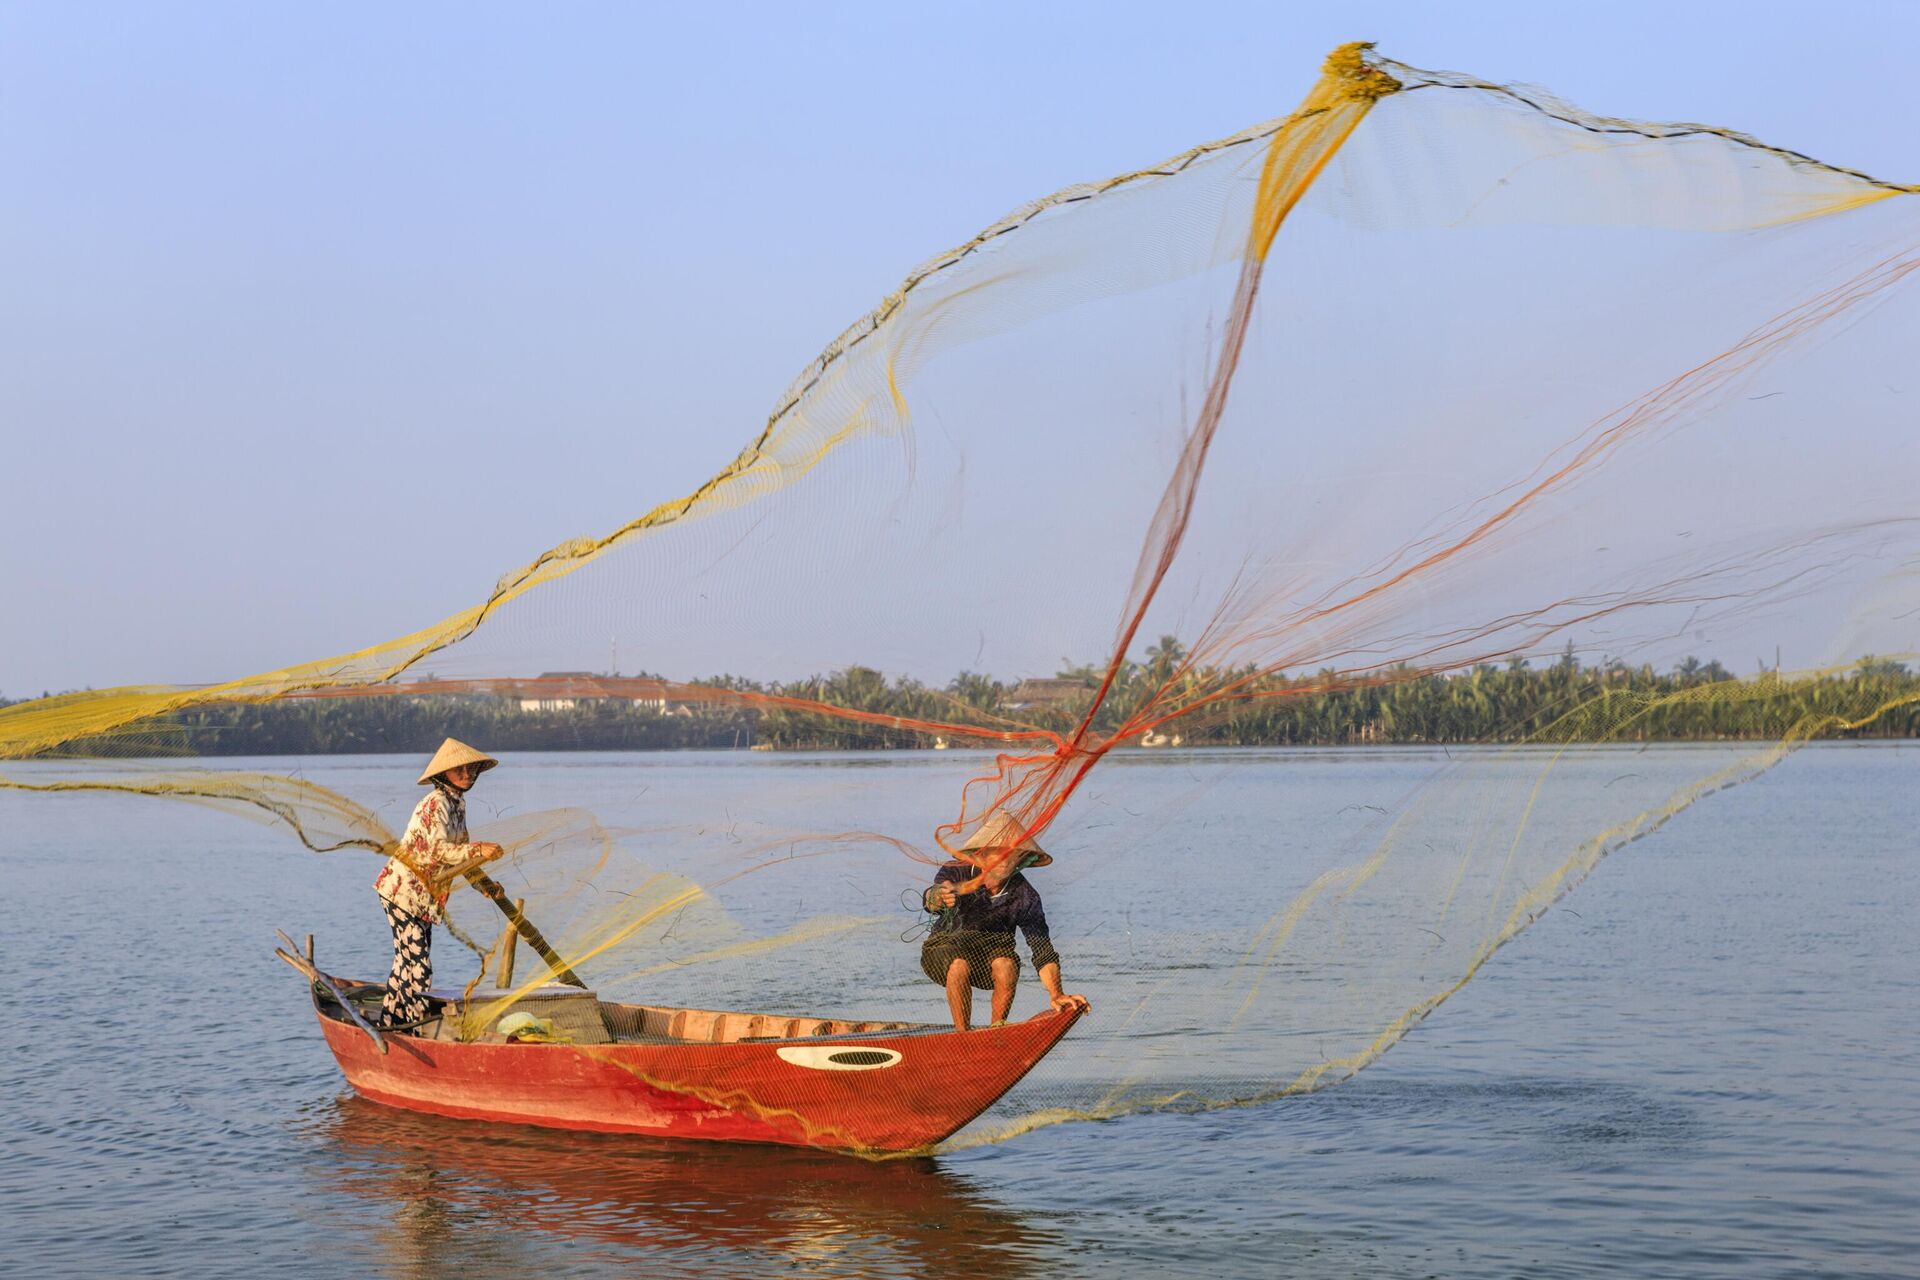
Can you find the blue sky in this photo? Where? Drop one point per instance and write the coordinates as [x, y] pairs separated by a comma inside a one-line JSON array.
[[315, 319]]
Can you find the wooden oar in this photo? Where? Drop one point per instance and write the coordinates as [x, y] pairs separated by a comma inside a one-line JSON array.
[[300, 962], [489, 887]]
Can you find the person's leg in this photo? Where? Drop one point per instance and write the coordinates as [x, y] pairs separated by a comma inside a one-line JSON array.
[[412, 973], [960, 993], [1006, 976]]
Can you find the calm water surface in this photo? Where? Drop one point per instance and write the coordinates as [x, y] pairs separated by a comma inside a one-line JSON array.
[[1704, 1063]]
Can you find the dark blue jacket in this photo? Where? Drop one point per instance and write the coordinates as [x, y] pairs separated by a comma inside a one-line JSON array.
[[1017, 905]]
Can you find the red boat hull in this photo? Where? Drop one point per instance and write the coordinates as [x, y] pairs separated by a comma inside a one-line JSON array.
[[929, 1083]]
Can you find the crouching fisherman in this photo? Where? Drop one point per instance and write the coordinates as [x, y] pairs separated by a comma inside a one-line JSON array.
[[971, 945], [414, 884]]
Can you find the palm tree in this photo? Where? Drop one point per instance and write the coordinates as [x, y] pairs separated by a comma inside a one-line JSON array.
[[1163, 657]]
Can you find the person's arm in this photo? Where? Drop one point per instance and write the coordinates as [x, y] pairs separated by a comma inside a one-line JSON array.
[[440, 859], [940, 894], [477, 853], [1046, 961], [1050, 979]]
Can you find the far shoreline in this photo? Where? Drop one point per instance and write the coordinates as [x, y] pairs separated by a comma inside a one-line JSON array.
[[1131, 754]]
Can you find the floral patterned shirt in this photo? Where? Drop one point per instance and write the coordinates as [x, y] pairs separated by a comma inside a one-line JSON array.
[[436, 839]]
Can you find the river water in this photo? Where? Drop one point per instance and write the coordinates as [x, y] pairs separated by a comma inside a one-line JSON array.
[[1702, 1063]]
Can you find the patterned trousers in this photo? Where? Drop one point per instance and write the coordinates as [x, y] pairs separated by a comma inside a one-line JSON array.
[[412, 974]]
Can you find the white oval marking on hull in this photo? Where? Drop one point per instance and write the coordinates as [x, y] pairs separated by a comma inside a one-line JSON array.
[[838, 1057]]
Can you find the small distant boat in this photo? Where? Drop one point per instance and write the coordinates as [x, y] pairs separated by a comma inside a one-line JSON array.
[[939, 744], [830, 1083]]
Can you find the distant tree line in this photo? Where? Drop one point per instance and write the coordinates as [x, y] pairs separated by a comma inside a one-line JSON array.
[[1513, 702]]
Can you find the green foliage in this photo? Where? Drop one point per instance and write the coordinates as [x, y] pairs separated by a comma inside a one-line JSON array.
[[1487, 704]]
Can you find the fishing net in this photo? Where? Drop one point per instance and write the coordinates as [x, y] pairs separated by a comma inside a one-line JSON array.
[[1370, 405]]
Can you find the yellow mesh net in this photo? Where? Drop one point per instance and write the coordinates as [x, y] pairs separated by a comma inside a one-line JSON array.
[[1386, 397]]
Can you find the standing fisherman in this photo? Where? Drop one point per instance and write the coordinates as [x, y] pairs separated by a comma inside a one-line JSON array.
[[413, 886]]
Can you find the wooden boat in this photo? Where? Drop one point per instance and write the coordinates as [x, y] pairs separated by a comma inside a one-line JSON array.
[[837, 1084]]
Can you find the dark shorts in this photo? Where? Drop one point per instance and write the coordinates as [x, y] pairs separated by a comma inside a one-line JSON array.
[[979, 950]]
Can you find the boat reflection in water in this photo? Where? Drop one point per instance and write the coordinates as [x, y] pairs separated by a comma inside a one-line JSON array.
[[511, 1200]]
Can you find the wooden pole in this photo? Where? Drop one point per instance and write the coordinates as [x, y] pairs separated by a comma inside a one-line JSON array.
[[309, 948], [299, 962], [500, 955], [490, 887], [508, 938]]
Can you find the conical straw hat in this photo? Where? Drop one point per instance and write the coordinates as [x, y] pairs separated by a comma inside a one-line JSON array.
[[998, 832], [452, 754]]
